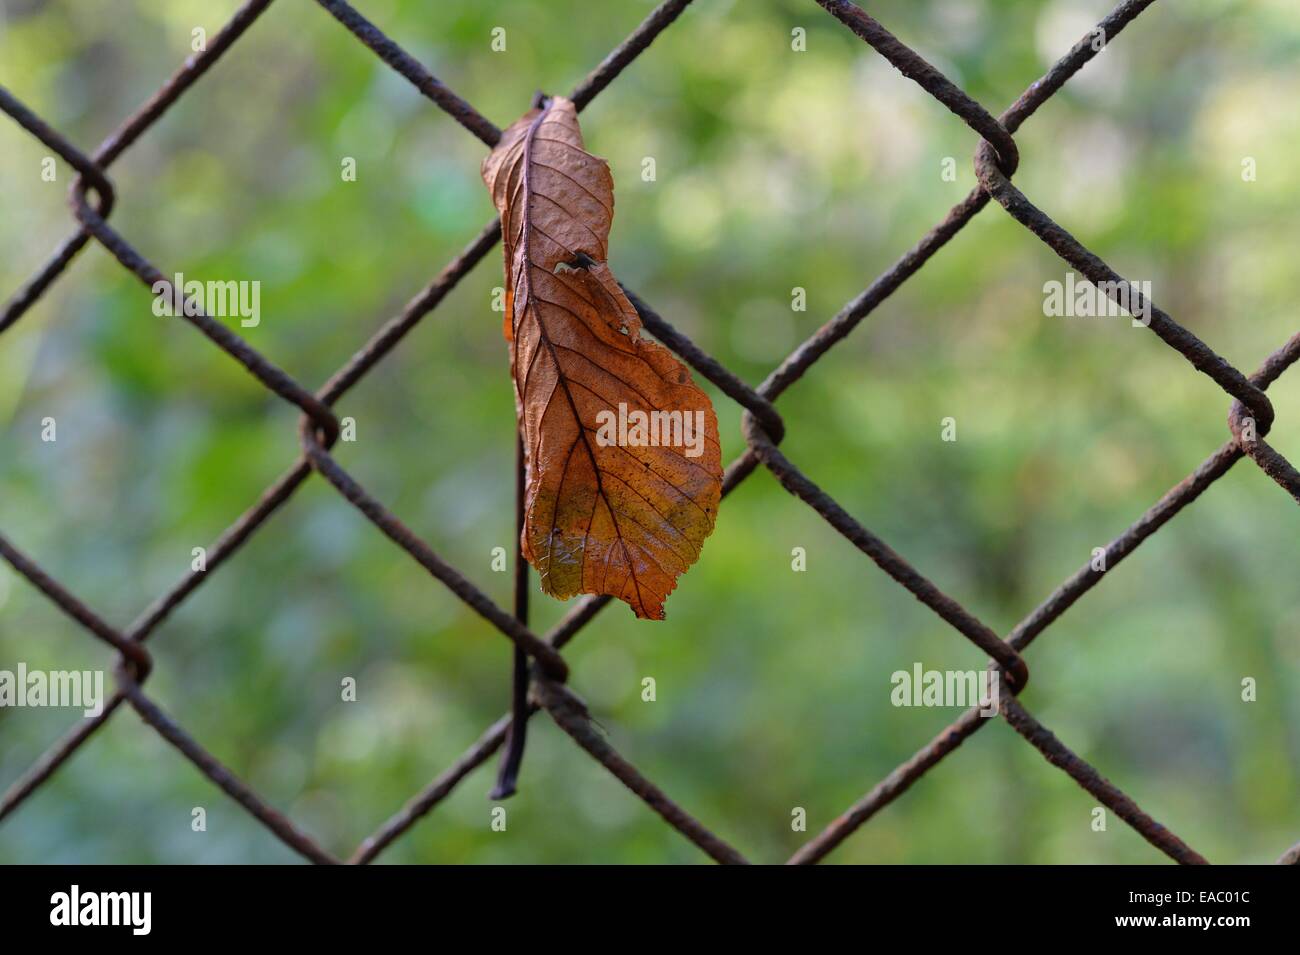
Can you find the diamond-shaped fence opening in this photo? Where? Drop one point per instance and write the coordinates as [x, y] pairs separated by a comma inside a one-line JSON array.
[[541, 669]]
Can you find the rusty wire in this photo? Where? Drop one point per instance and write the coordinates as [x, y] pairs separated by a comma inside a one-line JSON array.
[[996, 159]]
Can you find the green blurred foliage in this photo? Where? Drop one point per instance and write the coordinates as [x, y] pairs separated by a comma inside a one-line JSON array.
[[775, 169]]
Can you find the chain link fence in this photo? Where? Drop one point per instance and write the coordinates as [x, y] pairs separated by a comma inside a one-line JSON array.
[[996, 158]]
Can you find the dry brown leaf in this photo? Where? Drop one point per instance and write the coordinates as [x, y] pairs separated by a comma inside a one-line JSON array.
[[606, 510]]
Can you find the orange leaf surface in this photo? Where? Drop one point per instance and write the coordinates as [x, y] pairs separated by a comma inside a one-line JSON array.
[[624, 468]]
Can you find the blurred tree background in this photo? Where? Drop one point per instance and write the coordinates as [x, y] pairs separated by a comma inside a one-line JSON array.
[[775, 169]]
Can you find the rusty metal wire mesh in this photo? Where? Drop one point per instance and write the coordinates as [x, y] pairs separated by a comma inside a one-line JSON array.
[[996, 159]]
